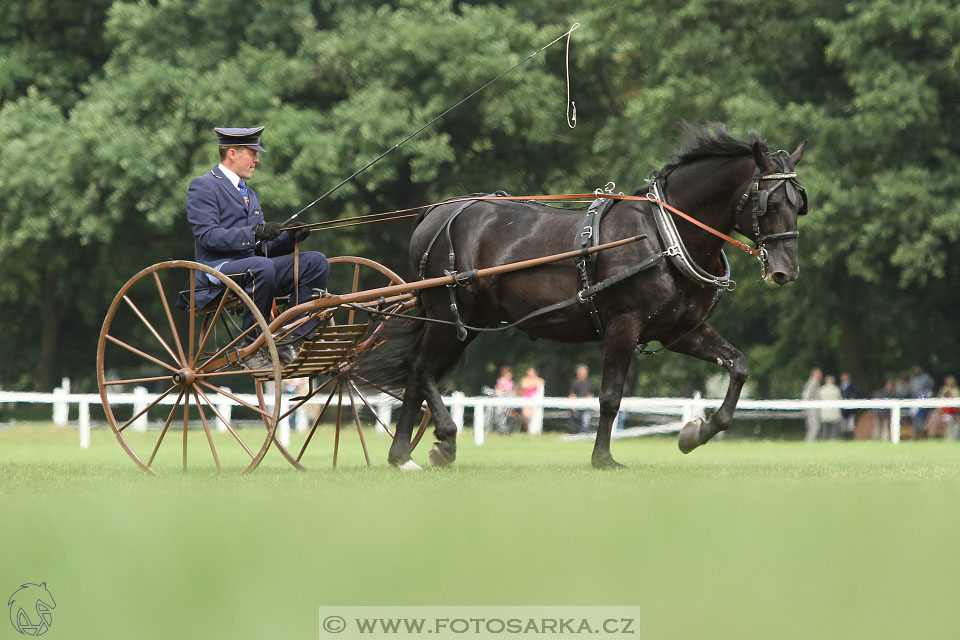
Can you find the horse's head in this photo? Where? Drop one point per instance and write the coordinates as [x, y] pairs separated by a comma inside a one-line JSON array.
[[768, 211]]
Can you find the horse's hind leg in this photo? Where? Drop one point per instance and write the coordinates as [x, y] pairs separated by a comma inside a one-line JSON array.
[[399, 455], [618, 350], [443, 353], [439, 350], [707, 344]]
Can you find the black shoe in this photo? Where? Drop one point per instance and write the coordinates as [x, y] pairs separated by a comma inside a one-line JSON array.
[[259, 360], [287, 353]]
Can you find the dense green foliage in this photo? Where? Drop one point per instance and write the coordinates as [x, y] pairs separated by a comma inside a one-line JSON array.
[[106, 111]]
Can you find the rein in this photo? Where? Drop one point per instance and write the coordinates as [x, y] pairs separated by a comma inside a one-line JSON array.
[[388, 216]]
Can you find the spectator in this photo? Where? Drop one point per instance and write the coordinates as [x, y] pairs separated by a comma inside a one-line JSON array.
[[830, 416], [505, 417], [949, 414], [504, 385], [881, 430], [849, 392], [531, 386], [580, 388], [921, 386], [811, 391]]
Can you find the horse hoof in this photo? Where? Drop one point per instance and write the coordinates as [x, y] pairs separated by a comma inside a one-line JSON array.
[[409, 465], [690, 436], [607, 464], [437, 458]]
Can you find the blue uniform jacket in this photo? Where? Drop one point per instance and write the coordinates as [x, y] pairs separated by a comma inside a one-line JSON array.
[[223, 227]]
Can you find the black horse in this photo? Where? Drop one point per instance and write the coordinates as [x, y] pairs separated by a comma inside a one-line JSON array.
[[678, 272]]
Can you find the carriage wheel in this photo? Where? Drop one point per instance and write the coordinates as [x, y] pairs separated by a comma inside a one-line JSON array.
[[341, 394], [197, 366]]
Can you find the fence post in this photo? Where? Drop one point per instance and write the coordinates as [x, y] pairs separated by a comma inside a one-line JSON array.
[[535, 427], [384, 411], [895, 423], [283, 428], [140, 400], [224, 406], [61, 408], [84, 424], [456, 409], [478, 423]]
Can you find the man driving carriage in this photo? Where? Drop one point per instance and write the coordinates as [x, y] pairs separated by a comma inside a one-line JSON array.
[[233, 237]]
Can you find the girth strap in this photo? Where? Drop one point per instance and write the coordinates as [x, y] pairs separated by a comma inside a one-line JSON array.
[[589, 236]]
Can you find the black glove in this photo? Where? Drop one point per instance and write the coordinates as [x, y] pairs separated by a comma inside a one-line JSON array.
[[267, 230], [298, 235]]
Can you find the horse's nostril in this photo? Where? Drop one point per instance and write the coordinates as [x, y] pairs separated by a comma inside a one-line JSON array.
[[780, 278]]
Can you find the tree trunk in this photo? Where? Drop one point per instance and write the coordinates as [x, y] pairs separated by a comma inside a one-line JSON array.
[[48, 360]]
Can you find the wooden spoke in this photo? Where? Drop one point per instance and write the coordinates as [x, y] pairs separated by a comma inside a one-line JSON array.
[[147, 408], [206, 430], [226, 424], [379, 388], [166, 425], [146, 356], [316, 423], [193, 315], [356, 286], [186, 425], [110, 383], [226, 393], [152, 330], [227, 347], [211, 323], [166, 309], [336, 436], [356, 420], [370, 407]]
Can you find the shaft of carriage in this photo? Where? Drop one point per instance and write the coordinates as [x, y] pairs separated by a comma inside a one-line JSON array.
[[395, 293]]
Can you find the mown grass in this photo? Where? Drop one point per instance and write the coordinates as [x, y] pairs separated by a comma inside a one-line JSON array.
[[740, 539]]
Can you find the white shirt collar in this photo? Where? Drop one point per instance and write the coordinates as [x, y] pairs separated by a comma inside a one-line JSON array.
[[234, 178]]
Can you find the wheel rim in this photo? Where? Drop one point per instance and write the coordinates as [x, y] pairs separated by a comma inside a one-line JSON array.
[[189, 360]]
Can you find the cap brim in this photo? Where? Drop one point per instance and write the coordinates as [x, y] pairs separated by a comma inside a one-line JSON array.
[[255, 147]]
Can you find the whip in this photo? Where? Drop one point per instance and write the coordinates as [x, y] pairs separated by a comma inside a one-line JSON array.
[[570, 122]]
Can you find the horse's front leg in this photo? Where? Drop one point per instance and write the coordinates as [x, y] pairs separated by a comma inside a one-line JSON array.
[[621, 337], [707, 344]]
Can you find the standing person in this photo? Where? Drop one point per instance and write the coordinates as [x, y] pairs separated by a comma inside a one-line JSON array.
[[504, 387], [882, 429], [849, 392], [921, 386], [830, 416], [581, 387], [232, 236], [531, 386], [811, 391], [949, 414]]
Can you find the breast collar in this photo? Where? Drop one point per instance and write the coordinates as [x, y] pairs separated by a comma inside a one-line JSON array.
[[676, 250]]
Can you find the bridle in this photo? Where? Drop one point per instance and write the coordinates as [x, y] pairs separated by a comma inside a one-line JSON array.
[[758, 198]]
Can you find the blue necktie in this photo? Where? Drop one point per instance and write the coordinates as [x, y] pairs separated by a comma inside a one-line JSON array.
[[244, 192]]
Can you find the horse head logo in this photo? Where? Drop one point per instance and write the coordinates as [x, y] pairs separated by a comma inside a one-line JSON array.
[[30, 609]]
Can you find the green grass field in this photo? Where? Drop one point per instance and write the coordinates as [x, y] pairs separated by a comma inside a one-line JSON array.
[[740, 539]]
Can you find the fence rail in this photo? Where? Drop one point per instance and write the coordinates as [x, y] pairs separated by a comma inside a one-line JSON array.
[[685, 408]]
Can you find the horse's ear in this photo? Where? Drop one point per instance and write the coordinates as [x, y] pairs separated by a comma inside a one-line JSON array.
[[797, 155], [759, 156]]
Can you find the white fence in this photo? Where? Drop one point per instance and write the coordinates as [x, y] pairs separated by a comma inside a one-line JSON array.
[[684, 408]]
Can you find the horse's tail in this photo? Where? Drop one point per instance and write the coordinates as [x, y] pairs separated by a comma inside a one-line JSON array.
[[388, 366]]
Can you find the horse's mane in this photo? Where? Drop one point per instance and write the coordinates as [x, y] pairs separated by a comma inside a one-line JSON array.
[[711, 141]]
